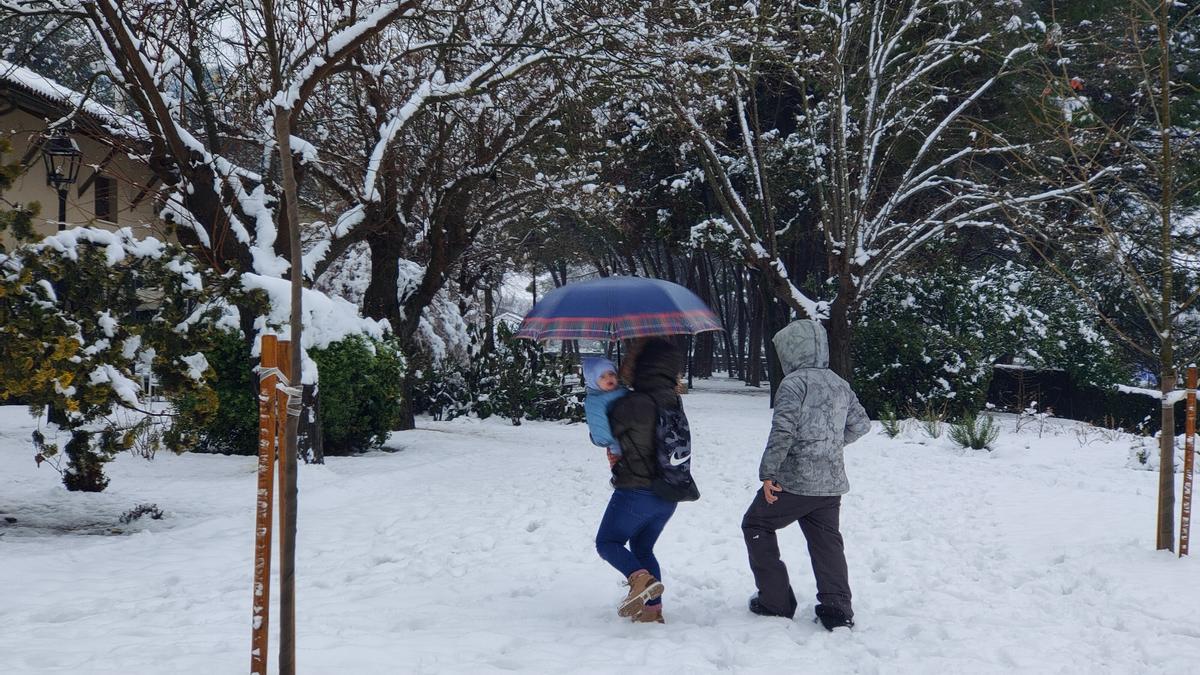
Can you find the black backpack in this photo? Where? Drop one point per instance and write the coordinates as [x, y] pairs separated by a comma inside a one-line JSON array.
[[673, 447]]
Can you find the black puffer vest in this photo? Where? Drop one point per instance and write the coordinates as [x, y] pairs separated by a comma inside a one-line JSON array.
[[634, 418]]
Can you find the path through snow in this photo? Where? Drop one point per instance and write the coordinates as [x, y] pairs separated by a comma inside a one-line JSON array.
[[469, 550]]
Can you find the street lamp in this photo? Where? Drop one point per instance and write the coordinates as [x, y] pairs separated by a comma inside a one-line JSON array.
[[62, 157]]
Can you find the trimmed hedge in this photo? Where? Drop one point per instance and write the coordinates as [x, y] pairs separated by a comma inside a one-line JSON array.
[[361, 390]]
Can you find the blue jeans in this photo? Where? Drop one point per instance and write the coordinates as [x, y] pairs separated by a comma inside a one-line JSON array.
[[634, 517]]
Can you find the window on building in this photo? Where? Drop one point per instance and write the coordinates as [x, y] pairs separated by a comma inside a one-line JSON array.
[[106, 199]]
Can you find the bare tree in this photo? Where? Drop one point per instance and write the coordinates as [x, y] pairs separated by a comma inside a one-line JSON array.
[[860, 119], [1133, 232]]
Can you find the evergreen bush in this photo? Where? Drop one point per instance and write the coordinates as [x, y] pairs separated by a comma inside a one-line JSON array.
[[224, 421], [890, 421], [977, 432], [932, 337], [77, 335], [518, 380], [361, 390]]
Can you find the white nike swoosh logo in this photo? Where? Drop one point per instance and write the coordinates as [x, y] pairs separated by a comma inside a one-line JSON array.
[[676, 461]]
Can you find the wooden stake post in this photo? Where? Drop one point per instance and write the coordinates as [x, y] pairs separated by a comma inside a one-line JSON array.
[[1189, 452], [287, 515], [264, 501], [273, 417]]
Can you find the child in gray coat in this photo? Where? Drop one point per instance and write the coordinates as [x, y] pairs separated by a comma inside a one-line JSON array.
[[803, 477]]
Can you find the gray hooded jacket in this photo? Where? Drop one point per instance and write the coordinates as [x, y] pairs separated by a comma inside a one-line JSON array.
[[816, 415]]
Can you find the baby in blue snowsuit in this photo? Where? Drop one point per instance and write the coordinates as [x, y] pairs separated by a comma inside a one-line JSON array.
[[603, 390]]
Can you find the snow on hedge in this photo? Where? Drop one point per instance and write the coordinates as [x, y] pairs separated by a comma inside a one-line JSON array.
[[326, 319]]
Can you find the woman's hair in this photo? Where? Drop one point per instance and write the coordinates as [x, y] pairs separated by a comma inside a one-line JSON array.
[[659, 364], [633, 348], [653, 350]]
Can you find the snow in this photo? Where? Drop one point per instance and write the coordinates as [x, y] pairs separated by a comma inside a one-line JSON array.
[[197, 364], [468, 549], [326, 319], [1171, 399], [106, 322], [117, 243], [126, 389], [48, 289], [115, 122]]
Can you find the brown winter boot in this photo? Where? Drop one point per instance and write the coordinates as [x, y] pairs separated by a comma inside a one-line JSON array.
[[649, 614], [643, 588]]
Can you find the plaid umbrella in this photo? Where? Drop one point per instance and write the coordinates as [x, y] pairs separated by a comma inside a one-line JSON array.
[[617, 308]]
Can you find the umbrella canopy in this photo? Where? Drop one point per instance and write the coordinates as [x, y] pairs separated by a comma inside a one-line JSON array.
[[617, 308]]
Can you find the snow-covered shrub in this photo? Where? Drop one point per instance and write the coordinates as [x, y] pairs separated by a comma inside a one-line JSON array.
[[223, 419], [517, 380], [85, 315], [528, 383], [140, 510], [1144, 453], [361, 390], [442, 390], [977, 432], [932, 337]]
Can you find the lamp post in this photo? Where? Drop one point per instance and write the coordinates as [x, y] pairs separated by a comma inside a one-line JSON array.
[[61, 155]]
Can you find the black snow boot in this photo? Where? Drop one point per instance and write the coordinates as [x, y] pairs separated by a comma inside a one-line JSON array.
[[832, 617], [757, 608]]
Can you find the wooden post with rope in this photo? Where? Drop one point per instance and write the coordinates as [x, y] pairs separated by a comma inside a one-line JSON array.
[[1189, 453], [288, 406], [268, 436]]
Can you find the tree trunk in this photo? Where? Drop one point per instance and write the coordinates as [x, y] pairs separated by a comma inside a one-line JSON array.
[[841, 360], [407, 419], [743, 322], [380, 300], [1166, 353], [289, 451], [702, 360], [757, 324], [312, 438], [702, 344], [773, 323], [489, 318], [1166, 462]]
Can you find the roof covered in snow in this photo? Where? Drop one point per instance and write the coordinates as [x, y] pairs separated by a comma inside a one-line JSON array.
[[96, 116]]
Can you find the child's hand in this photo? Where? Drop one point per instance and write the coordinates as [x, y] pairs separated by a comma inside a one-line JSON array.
[[612, 459], [769, 489]]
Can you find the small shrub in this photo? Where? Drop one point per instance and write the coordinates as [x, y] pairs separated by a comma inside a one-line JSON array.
[[889, 420], [140, 510], [1143, 456], [223, 419], [361, 390], [1031, 417], [975, 432], [932, 420]]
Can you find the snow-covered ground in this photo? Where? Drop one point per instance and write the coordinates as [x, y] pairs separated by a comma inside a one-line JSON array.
[[469, 550]]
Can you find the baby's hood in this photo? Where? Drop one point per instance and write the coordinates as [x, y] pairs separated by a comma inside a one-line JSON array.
[[593, 368]]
